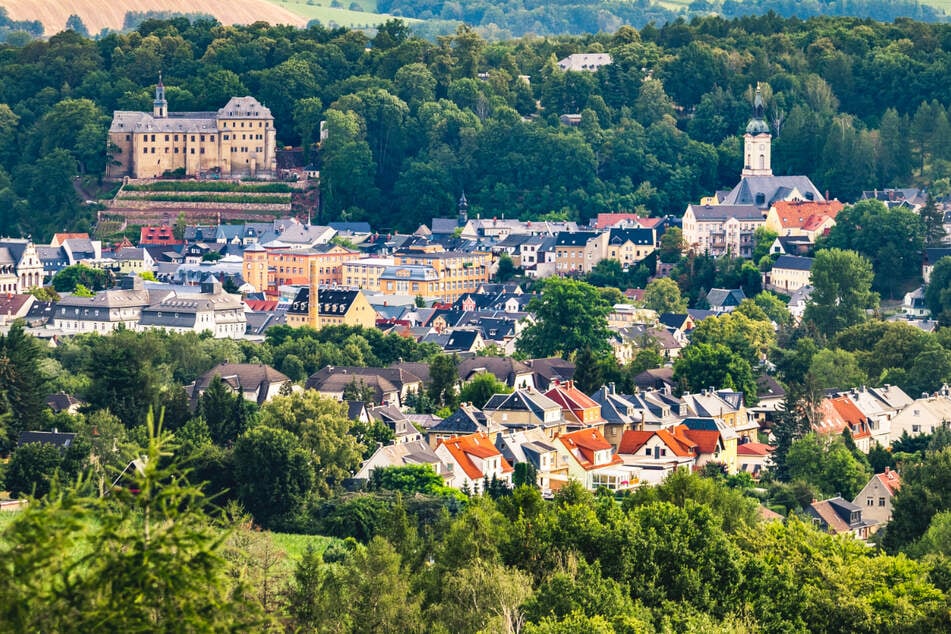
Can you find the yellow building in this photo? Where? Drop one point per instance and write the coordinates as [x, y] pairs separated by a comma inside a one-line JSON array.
[[237, 140], [365, 273], [337, 307], [266, 268], [457, 272]]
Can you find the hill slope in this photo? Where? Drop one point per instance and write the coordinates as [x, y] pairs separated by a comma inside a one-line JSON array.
[[99, 14]]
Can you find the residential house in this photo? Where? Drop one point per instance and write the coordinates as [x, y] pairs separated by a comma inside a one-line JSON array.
[[584, 62], [619, 414], [876, 496], [725, 300], [914, 306], [60, 440], [337, 307], [403, 429], [716, 441], [922, 416], [107, 310], [722, 229], [278, 264], [754, 458], [255, 382], [573, 254], [578, 409], [63, 402], [534, 447], [839, 516], [390, 385], [932, 255], [592, 461], [212, 310], [811, 219], [163, 235], [655, 379], [14, 306], [472, 460], [525, 408], [133, 260], [507, 370], [458, 272], [551, 370], [726, 405], [788, 274], [467, 419], [366, 273], [402, 455], [657, 452]]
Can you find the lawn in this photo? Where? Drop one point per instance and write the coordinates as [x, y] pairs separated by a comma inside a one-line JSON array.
[[321, 10]]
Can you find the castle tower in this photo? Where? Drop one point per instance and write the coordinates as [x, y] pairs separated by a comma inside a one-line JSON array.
[[757, 142], [463, 207], [255, 267], [160, 106], [313, 300]]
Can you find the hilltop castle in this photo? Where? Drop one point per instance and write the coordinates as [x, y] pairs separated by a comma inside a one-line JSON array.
[[237, 140]]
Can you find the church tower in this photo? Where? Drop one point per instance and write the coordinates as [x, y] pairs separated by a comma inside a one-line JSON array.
[[756, 142], [160, 106], [463, 208]]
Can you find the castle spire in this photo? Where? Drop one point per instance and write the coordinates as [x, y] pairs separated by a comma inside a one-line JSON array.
[[160, 106]]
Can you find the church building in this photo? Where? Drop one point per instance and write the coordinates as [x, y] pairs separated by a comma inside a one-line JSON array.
[[237, 140]]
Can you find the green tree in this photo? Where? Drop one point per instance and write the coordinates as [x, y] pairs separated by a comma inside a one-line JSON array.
[[94, 279], [273, 472], [506, 270], [23, 385], [569, 315], [701, 365], [324, 432], [308, 113], [932, 220], [835, 368], [891, 238], [774, 308], [672, 245], [763, 239], [150, 537], [828, 465], [32, 468], [481, 388], [925, 492], [225, 412], [749, 338], [842, 291], [663, 295], [938, 291], [444, 376]]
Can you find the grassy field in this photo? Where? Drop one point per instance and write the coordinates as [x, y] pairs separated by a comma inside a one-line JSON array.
[[321, 10]]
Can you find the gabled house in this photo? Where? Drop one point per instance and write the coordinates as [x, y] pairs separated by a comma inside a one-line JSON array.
[[875, 498], [754, 458], [619, 414], [577, 407], [212, 310], [336, 307], [507, 370], [807, 218], [403, 429], [466, 420], [14, 306], [551, 370], [839, 516], [60, 440], [726, 405], [393, 384], [255, 382], [473, 459], [715, 440], [658, 452], [722, 229], [789, 274], [526, 409], [591, 460], [921, 416], [724, 300], [532, 446], [400, 455], [847, 417]]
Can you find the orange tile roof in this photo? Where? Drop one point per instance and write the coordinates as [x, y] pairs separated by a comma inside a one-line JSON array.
[[890, 479], [754, 449], [632, 441], [806, 215], [852, 416], [706, 440], [609, 220], [588, 442], [681, 446], [478, 445], [570, 397]]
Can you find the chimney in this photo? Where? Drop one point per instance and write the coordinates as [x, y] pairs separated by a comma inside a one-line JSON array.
[[612, 387]]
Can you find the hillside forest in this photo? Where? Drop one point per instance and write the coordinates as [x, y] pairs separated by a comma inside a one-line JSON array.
[[853, 104]]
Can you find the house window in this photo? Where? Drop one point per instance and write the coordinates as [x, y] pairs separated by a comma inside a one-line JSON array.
[[869, 501], [881, 501]]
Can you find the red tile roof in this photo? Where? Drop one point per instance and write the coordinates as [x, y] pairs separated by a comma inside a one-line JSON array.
[[632, 441], [806, 215], [754, 449], [678, 442], [890, 479], [573, 399], [586, 442], [605, 221], [477, 445], [852, 415], [706, 440], [261, 305]]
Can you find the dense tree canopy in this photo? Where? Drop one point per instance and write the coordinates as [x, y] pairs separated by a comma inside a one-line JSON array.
[[569, 316]]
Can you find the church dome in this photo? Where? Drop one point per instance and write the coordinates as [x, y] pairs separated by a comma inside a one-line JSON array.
[[757, 126]]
